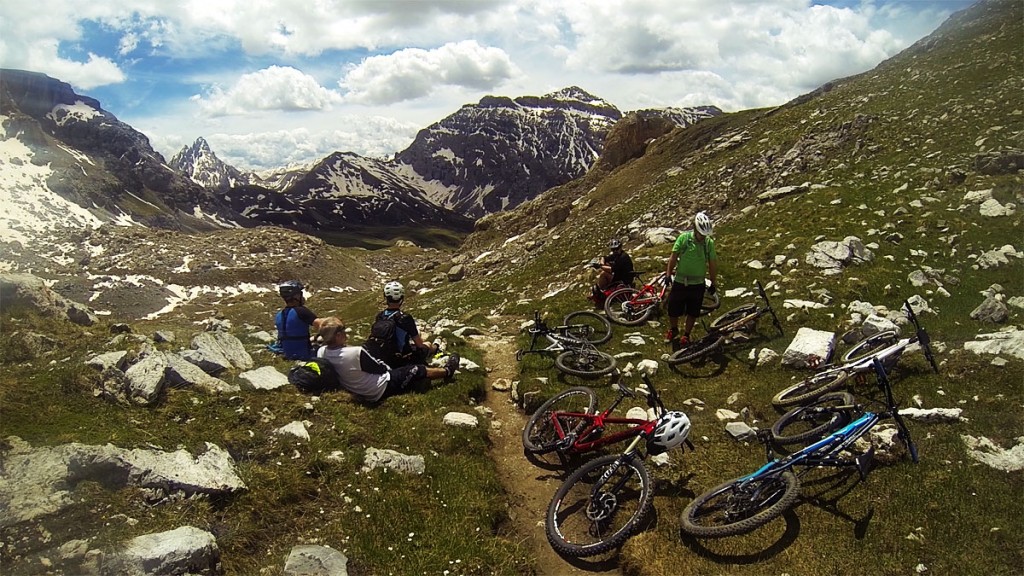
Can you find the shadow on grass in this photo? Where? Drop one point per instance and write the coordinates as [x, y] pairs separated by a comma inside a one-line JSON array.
[[745, 549]]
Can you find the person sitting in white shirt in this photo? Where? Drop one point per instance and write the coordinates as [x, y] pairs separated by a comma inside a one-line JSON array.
[[366, 377]]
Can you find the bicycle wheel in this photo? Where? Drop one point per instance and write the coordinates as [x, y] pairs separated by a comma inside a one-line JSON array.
[[869, 346], [710, 303], [587, 517], [589, 326], [740, 506], [810, 388], [810, 423], [540, 435], [695, 350], [732, 316], [585, 363], [620, 308]]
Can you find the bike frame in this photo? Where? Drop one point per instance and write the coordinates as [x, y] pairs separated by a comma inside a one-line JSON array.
[[577, 443], [557, 336], [822, 453]]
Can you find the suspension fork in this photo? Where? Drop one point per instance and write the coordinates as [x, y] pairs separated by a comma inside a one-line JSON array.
[[626, 457]]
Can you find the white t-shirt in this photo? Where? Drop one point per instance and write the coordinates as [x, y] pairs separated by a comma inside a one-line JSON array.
[[348, 361]]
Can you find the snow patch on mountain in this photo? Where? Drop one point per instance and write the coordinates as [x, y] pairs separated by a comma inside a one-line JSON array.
[[30, 207]]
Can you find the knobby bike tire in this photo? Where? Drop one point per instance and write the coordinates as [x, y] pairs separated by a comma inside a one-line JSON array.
[[869, 346], [808, 424], [729, 510], [585, 363], [710, 303], [615, 307], [601, 328], [695, 350], [540, 436], [580, 523], [810, 388], [732, 316]]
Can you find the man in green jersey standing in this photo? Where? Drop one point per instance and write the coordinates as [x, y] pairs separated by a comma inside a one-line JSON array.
[[693, 258]]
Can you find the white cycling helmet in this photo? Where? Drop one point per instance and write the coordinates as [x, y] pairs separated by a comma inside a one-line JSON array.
[[394, 291], [703, 224], [614, 243], [673, 428]]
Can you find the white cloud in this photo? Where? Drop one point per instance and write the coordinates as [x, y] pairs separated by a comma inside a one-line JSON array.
[[414, 73], [273, 88]]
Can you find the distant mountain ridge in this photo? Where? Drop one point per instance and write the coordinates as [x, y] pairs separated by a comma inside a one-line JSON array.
[[484, 158]]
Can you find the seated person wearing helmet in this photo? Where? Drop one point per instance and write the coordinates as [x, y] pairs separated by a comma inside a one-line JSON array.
[[411, 348], [367, 378], [293, 323], [693, 256], [616, 267]]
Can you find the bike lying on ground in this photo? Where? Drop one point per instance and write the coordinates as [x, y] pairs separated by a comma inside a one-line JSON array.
[[886, 346], [568, 423], [743, 318], [574, 343], [631, 307], [604, 502], [749, 502]]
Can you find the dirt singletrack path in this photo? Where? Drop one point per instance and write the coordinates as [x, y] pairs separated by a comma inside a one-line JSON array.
[[529, 488]]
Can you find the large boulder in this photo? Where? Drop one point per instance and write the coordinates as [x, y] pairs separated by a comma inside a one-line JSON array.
[[26, 290]]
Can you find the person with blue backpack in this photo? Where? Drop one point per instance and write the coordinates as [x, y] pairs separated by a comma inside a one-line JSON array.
[[394, 336], [293, 323]]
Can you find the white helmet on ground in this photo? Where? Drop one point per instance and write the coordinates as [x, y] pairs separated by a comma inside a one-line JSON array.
[[394, 291], [672, 430], [703, 224]]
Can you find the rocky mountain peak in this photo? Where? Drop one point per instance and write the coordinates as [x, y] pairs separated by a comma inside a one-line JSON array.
[[202, 166]]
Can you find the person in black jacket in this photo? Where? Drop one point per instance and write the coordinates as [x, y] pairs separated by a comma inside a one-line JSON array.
[[616, 267]]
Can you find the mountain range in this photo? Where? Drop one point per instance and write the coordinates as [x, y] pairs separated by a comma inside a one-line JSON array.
[[484, 158]]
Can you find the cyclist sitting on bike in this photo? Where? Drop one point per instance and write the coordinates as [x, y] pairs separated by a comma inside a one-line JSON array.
[[693, 257], [615, 268]]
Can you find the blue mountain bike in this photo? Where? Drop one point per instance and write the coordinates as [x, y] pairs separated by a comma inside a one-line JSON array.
[[746, 503]]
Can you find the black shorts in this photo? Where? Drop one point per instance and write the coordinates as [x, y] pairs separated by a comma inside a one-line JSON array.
[[685, 300], [400, 379]]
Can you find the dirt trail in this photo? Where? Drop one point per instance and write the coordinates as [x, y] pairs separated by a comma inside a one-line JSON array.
[[529, 488]]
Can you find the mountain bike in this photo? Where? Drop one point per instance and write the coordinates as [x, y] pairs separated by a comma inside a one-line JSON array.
[[604, 502], [885, 345], [599, 296], [568, 423], [574, 343], [631, 307], [742, 318], [749, 502]]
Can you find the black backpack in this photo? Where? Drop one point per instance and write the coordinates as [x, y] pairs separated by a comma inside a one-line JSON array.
[[387, 340], [314, 376]]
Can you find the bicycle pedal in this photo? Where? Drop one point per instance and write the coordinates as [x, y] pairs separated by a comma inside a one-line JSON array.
[[864, 462]]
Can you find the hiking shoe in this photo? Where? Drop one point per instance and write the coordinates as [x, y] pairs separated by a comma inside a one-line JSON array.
[[684, 340], [451, 365], [670, 337]]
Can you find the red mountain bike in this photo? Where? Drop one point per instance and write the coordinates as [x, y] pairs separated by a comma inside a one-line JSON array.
[[631, 307]]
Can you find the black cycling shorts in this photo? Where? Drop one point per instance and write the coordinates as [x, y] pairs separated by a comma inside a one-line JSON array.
[[685, 300], [399, 379]]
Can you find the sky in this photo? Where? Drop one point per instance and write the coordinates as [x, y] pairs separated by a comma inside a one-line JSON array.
[[272, 83]]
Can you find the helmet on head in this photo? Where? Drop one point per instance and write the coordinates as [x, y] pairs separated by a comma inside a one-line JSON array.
[[290, 289], [703, 224], [672, 429], [394, 291], [614, 244]]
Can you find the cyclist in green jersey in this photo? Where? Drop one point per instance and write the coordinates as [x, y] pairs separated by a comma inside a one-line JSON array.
[[693, 258]]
